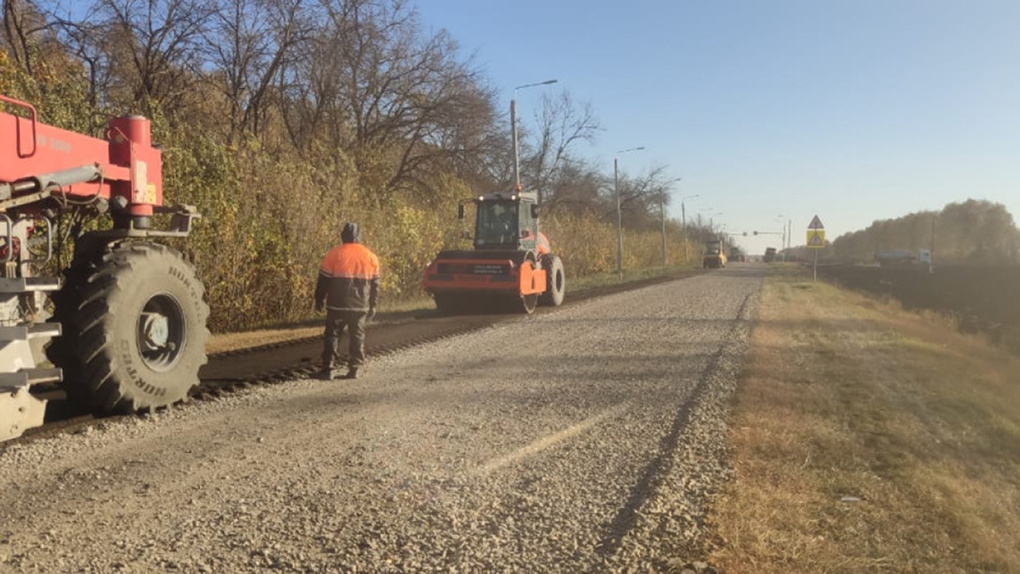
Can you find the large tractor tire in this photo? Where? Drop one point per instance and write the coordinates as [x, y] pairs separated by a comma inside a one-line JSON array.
[[134, 330], [556, 282]]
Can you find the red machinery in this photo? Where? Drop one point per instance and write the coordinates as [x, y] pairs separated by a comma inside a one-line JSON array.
[[510, 264], [130, 315]]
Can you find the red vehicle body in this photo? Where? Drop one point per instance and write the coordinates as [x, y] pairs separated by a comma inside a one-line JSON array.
[[129, 316], [125, 165]]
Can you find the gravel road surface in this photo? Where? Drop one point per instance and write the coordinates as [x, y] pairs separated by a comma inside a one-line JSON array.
[[583, 440]]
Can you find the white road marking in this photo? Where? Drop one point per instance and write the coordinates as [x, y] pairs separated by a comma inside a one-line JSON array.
[[548, 441]]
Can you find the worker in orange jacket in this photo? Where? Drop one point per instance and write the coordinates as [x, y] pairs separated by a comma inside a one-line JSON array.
[[348, 288]]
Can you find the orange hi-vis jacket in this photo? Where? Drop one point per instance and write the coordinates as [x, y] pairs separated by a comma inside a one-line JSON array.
[[348, 279]]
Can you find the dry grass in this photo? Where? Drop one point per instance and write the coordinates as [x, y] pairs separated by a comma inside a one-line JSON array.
[[868, 439]]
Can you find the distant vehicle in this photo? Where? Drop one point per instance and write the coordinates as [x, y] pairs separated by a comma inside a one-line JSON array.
[[736, 254], [902, 257], [715, 254], [770, 254]]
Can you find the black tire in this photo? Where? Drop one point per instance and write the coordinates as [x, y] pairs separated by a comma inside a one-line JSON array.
[[134, 332], [556, 282]]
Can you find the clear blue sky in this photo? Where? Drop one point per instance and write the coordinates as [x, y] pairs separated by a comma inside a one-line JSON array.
[[854, 110]]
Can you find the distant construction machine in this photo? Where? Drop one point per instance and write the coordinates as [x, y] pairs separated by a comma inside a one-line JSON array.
[[715, 254], [128, 324], [737, 254], [511, 266]]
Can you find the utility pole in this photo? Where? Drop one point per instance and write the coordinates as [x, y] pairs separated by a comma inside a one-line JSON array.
[[619, 218], [683, 229], [619, 212], [683, 224], [513, 132], [662, 211]]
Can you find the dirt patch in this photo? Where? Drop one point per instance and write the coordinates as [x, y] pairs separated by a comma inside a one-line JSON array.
[[868, 439]]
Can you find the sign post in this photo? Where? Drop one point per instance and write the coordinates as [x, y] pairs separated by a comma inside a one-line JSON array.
[[816, 240]]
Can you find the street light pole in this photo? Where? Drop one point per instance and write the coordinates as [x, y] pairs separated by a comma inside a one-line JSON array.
[[619, 213], [662, 213], [683, 223], [513, 130], [782, 237]]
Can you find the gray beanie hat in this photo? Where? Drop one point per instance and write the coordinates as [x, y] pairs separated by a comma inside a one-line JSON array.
[[351, 233]]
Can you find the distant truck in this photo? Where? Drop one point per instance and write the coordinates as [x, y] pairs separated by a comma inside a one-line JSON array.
[[770, 254], [715, 254], [737, 255], [903, 257]]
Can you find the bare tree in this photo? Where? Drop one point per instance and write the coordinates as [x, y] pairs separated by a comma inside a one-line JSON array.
[[372, 83], [22, 21], [142, 54], [29, 39], [562, 124], [89, 43], [250, 43], [641, 198]]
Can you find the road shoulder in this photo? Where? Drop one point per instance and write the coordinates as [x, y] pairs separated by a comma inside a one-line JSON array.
[[866, 438]]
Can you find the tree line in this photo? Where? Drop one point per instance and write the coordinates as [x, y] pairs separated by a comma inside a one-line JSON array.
[[280, 119], [974, 231]]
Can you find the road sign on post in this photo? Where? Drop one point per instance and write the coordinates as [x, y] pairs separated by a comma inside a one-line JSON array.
[[816, 240]]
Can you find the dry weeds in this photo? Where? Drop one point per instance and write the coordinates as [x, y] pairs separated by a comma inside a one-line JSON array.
[[869, 439]]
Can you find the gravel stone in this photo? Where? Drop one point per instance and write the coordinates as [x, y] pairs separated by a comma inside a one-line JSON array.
[[587, 439]]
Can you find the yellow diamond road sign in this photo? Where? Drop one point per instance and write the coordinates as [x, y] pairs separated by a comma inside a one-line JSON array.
[[815, 238]]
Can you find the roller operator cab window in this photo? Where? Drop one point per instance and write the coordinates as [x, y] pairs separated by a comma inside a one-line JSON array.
[[498, 224]]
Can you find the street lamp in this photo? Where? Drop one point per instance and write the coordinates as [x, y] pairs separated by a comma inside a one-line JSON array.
[[683, 212], [513, 130], [662, 213], [683, 222], [619, 213], [711, 221]]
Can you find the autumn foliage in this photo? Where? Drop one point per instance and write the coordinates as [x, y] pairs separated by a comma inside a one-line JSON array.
[[282, 119]]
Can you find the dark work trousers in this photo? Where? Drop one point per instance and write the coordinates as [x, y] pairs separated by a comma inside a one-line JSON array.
[[336, 321]]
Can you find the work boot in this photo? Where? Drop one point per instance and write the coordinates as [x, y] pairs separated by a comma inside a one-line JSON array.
[[352, 373], [326, 374]]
